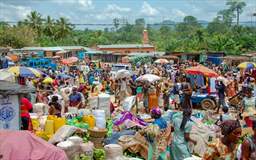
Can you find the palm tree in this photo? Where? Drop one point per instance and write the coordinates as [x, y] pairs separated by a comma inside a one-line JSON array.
[[226, 15], [63, 27], [49, 26], [35, 21], [237, 6]]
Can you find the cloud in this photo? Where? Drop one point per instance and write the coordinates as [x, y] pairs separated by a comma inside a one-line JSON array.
[[9, 12], [113, 11], [116, 8], [178, 13], [148, 10], [85, 3]]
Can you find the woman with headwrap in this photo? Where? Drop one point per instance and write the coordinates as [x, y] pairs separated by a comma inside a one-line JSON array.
[[182, 128], [249, 145], [225, 147], [163, 138], [158, 120]]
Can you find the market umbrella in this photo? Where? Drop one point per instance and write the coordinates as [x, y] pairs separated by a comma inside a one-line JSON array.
[[246, 65], [201, 70], [48, 80], [7, 76], [162, 61], [123, 73], [149, 78], [25, 71], [70, 60]]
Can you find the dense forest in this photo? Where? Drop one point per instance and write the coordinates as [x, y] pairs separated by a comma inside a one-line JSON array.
[[223, 33]]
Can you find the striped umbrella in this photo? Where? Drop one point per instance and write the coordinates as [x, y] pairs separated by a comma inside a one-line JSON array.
[[201, 70], [25, 71], [246, 65]]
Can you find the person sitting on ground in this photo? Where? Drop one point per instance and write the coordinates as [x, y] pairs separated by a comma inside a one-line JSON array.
[[249, 145], [225, 147]]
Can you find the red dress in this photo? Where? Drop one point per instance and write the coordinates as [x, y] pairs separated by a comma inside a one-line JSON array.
[[25, 107]]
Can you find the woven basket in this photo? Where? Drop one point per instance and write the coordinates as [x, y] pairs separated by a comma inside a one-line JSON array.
[[97, 133]]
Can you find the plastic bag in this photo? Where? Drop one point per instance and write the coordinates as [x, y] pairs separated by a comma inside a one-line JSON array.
[[76, 140], [62, 133], [129, 102]]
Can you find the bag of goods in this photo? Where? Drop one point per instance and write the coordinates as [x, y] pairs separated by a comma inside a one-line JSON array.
[[90, 120], [42, 135], [87, 149], [59, 122], [113, 151], [49, 127], [78, 122], [104, 103], [73, 110], [70, 148], [84, 112], [129, 102], [93, 102], [98, 113], [35, 124], [76, 140], [101, 122], [100, 118], [51, 117], [42, 121], [40, 108], [62, 133]]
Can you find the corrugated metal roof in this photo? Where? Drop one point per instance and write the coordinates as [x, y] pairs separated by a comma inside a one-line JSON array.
[[73, 47], [42, 49], [147, 54], [126, 46], [57, 48]]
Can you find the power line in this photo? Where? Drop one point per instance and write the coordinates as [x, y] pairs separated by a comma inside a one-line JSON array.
[[112, 24]]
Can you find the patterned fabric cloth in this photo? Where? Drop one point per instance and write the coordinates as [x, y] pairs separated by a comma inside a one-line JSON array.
[[218, 151]]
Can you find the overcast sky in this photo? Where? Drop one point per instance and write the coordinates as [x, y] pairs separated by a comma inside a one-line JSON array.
[[103, 11]]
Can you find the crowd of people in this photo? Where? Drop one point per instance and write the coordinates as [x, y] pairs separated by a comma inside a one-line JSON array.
[[66, 90]]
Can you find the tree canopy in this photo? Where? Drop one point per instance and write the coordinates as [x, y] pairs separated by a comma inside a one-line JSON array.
[[190, 35]]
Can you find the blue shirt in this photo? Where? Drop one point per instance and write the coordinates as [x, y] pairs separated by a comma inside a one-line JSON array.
[[162, 124]]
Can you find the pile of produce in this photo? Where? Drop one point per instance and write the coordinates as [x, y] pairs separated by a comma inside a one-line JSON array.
[[78, 122], [99, 154]]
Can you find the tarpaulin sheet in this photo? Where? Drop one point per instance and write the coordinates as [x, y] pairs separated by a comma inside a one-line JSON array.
[[23, 145]]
